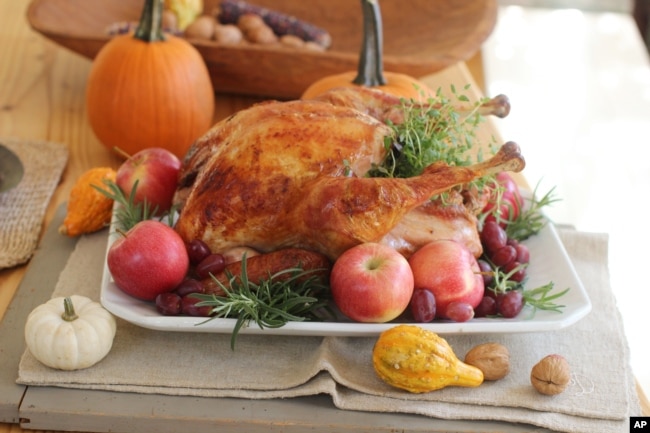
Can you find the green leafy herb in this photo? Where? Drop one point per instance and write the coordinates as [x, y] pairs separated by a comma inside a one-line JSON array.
[[541, 298], [429, 133], [530, 220], [290, 295], [128, 213]]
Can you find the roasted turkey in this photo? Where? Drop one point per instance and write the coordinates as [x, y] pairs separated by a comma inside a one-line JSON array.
[[291, 174]]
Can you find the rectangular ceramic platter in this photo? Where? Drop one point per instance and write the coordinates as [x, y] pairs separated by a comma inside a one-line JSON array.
[[549, 263]]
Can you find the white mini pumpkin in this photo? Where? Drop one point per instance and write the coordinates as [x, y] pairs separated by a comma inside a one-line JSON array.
[[70, 333]]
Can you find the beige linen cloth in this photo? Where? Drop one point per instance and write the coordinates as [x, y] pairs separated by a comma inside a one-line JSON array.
[[600, 398], [22, 208]]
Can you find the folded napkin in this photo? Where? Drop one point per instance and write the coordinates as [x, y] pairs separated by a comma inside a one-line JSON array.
[[600, 397], [22, 208]]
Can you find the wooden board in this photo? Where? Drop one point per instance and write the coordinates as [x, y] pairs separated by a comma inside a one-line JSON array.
[[35, 288], [425, 37]]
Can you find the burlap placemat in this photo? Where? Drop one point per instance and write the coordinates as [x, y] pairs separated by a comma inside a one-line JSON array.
[[22, 209], [600, 398]]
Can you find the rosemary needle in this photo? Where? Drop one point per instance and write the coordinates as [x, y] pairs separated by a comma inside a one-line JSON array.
[[290, 295]]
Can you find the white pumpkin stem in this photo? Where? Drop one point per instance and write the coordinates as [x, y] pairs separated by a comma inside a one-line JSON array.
[[69, 314]]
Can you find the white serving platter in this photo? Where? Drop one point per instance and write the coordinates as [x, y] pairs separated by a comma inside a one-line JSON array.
[[549, 262]]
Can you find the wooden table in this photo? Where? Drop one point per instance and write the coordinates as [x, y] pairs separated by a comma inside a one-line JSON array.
[[42, 98]]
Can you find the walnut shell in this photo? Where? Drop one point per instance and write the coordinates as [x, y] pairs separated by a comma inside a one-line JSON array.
[[551, 375], [493, 359]]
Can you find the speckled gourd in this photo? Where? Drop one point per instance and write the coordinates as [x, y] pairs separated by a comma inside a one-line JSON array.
[[417, 360]]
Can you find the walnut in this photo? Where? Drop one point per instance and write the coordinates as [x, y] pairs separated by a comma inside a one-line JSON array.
[[493, 359], [551, 375]]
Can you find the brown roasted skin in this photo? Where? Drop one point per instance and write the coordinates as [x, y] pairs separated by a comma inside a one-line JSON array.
[[265, 265], [454, 219], [290, 174]]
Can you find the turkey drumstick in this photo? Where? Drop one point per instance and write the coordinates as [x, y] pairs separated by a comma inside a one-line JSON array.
[[338, 213], [384, 106]]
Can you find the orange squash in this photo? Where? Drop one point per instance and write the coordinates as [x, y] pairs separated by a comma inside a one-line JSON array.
[[88, 210], [370, 71], [149, 89]]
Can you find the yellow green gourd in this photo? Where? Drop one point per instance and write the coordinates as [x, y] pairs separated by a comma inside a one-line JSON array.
[[412, 358]]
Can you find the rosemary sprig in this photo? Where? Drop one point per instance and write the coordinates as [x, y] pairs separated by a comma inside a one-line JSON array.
[[541, 298], [129, 213], [531, 220], [290, 295]]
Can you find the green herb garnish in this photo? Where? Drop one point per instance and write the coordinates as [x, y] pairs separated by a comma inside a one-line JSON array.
[[290, 295], [128, 213], [430, 133], [530, 220]]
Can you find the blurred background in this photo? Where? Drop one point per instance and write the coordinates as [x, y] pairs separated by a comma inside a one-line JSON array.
[[578, 76]]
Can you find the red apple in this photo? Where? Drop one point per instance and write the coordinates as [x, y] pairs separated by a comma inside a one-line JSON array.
[[371, 283], [450, 271], [148, 260], [156, 171]]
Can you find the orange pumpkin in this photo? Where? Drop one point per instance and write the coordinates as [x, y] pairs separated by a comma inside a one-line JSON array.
[[149, 89], [370, 71]]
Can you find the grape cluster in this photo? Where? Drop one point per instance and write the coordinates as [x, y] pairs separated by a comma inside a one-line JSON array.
[[179, 301], [503, 265]]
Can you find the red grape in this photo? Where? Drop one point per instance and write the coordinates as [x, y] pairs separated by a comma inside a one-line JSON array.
[[212, 264], [510, 303], [423, 305], [197, 250], [504, 255], [486, 272], [459, 311], [188, 286], [189, 307], [487, 307], [523, 253], [168, 304], [519, 275], [493, 236]]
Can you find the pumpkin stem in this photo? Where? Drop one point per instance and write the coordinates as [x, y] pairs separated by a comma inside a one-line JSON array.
[[150, 26], [69, 314], [371, 69]]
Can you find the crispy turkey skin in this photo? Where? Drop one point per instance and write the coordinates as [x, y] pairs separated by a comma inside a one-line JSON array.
[[291, 174]]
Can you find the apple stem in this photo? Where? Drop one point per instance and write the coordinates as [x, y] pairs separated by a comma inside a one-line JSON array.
[[121, 232], [121, 152]]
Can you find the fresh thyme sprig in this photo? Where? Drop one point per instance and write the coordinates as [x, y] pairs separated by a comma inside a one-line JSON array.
[[290, 295], [128, 213], [429, 133]]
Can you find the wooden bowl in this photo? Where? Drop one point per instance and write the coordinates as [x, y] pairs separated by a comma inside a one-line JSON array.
[[420, 37]]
